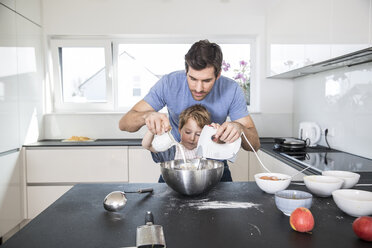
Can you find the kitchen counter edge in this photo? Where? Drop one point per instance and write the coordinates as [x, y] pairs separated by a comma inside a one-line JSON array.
[[98, 142]]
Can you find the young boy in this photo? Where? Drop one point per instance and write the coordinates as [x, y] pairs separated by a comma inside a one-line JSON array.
[[191, 122]]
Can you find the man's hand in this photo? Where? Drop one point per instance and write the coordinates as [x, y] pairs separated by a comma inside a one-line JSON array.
[[157, 123], [228, 132]]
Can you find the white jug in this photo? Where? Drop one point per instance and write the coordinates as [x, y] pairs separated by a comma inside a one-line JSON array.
[[163, 142]]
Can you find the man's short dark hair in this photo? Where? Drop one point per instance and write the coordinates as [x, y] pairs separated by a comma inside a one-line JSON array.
[[203, 54]]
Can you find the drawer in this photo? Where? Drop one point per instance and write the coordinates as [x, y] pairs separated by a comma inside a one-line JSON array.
[[77, 165], [40, 197]]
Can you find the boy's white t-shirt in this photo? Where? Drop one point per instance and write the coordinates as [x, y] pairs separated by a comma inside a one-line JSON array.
[[189, 154]]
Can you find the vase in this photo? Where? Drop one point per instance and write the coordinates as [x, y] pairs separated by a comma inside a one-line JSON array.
[[247, 94]]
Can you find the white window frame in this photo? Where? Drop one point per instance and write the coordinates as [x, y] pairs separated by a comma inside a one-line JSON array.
[[111, 47], [59, 104]]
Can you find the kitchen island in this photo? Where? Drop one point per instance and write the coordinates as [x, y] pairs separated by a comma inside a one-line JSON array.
[[230, 215]]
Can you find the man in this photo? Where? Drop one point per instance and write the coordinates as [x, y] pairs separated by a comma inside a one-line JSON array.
[[201, 84]]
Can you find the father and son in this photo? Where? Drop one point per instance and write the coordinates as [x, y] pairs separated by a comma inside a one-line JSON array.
[[196, 97]]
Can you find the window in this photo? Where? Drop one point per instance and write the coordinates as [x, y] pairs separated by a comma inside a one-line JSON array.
[[140, 66], [113, 75], [82, 75], [237, 65]]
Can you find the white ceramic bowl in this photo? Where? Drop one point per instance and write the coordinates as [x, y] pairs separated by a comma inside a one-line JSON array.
[[322, 185], [350, 178], [353, 202], [288, 200], [271, 186]]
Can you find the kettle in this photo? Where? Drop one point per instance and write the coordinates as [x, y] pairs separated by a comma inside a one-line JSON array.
[[310, 131]]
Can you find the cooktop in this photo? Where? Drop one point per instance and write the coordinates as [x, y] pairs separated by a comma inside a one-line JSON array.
[[322, 158], [322, 161]]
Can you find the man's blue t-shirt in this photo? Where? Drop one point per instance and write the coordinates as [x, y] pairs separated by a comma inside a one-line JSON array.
[[225, 99]]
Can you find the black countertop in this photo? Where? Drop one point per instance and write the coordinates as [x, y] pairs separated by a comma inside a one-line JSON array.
[[98, 142], [78, 219]]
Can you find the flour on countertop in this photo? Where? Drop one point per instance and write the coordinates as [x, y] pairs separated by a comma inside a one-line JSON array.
[[201, 205], [256, 227]]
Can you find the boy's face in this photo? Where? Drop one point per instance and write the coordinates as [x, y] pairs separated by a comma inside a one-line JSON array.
[[190, 133]]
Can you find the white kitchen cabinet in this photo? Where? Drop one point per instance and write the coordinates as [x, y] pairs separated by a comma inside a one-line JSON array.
[[41, 197], [11, 192], [272, 164], [350, 27], [53, 171], [77, 165], [30, 80], [9, 124], [254, 165], [296, 38], [142, 169], [239, 169]]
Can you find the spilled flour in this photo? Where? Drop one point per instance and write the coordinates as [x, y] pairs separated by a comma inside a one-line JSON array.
[[201, 205]]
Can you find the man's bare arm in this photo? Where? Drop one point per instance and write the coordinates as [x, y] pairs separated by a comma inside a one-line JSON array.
[[143, 114], [250, 132], [135, 118]]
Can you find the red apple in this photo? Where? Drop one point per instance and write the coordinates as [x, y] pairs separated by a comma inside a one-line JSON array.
[[362, 227], [302, 220]]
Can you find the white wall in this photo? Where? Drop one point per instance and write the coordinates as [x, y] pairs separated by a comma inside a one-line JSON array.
[[197, 18], [340, 100]]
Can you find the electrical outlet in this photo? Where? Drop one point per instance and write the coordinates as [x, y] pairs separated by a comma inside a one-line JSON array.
[[331, 132]]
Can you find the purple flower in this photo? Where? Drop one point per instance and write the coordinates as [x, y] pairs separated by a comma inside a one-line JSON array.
[[243, 63], [239, 76], [225, 66]]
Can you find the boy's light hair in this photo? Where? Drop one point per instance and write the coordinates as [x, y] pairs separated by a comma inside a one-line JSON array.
[[198, 113]]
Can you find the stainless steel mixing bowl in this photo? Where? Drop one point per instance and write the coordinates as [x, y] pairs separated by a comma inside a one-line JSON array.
[[195, 177]]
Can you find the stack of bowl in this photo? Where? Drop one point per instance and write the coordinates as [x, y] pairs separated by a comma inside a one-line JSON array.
[[350, 178], [322, 186]]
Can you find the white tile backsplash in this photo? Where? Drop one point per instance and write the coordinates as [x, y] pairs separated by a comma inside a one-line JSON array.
[[106, 126], [95, 126], [340, 100]]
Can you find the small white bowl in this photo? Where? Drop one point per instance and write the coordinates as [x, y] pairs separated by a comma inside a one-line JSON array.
[[288, 200], [271, 186], [350, 178], [322, 186], [353, 202]]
